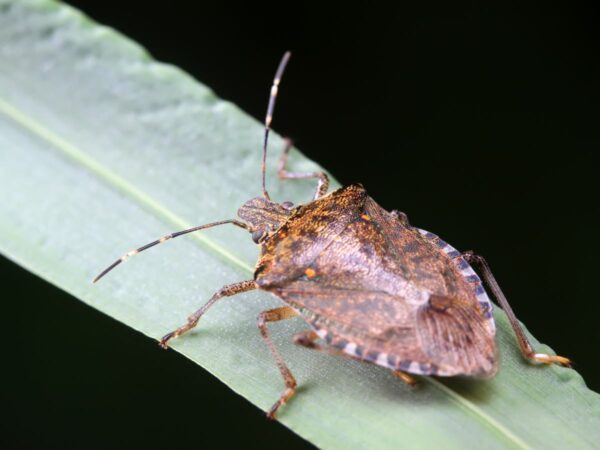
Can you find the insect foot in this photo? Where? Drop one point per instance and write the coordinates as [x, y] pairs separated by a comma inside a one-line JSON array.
[[551, 359], [164, 341], [411, 381], [192, 322]]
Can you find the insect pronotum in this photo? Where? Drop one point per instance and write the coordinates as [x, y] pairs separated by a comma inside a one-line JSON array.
[[369, 285]]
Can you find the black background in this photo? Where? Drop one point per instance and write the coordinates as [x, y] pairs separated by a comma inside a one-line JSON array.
[[478, 121]]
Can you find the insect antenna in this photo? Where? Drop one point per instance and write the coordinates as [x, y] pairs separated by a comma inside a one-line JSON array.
[[165, 238], [269, 116]]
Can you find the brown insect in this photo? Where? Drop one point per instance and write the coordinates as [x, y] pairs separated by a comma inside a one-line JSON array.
[[370, 286]]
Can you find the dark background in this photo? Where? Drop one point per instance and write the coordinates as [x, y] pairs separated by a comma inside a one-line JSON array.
[[479, 122]]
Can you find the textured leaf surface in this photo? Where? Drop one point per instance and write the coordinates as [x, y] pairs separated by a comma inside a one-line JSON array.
[[102, 149]]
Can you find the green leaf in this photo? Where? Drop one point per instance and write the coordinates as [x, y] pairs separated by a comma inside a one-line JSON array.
[[103, 149]]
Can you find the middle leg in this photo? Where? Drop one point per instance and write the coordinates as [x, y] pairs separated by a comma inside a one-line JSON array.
[[275, 315]]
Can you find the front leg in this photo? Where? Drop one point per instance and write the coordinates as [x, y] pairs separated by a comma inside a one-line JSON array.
[[226, 291], [283, 174], [524, 344]]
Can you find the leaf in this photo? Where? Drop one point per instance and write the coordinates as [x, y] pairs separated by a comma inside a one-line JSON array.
[[102, 149]]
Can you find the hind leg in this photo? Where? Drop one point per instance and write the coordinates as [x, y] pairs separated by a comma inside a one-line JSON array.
[[524, 344]]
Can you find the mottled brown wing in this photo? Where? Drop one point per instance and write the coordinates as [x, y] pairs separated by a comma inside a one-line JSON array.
[[453, 333], [379, 290]]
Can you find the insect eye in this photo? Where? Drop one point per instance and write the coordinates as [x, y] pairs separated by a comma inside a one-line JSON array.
[[258, 235], [287, 205]]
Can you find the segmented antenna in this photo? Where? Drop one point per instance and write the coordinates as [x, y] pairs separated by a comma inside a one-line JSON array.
[[269, 117], [166, 238]]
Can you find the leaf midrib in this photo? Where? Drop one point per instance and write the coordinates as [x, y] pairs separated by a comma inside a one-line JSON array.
[[155, 207], [120, 183]]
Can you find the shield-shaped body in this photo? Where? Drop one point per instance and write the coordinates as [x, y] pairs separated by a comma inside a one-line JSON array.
[[378, 289]]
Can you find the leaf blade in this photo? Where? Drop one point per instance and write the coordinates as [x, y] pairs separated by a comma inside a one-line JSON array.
[[152, 114]]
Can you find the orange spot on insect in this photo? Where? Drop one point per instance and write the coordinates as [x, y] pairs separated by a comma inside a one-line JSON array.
[[366, 217], [310, 273]]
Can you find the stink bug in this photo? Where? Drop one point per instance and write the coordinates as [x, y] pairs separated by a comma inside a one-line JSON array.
[[369, 285]]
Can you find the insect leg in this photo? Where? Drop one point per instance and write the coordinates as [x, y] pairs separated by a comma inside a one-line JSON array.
[[225, 291], [283, 174], [165, 238], [524, 344], [307, 339], [274, 315], [408, 379]]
